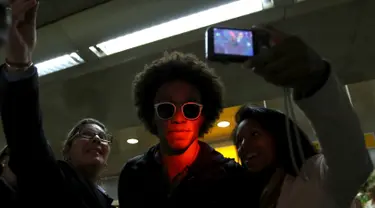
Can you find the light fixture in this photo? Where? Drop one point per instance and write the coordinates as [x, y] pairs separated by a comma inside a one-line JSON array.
[[132, 141], [97, 51], [223, 124], [178, 26], [59, 63], [268, 4]]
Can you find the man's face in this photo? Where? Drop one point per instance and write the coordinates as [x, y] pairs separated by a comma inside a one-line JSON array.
[[177, 116]]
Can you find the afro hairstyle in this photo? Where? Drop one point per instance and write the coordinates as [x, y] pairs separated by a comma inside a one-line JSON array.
[[178, 66]]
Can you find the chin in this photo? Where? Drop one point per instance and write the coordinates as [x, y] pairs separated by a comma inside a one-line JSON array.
[[179, 144], [178, 148], [255, 169], [97, 161]]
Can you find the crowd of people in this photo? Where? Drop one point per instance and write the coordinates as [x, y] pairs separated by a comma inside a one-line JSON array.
[[178, 98]]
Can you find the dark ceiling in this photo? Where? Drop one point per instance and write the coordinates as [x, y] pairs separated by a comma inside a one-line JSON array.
[[51, 11]]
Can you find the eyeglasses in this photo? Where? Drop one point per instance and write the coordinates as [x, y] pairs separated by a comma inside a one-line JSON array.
[[190, 110], [88, 134]]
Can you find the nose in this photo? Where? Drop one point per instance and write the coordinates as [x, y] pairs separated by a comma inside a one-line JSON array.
[[96, 139], [178, 117]]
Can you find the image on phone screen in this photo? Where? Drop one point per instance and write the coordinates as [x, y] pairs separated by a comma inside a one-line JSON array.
[[233, 42]]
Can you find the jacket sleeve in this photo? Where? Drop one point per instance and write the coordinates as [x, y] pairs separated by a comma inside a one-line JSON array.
[[8, 194], [32, 158], [129, 188], [346, 164]]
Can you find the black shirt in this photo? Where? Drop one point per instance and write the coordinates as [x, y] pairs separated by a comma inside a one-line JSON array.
[[212, 180]]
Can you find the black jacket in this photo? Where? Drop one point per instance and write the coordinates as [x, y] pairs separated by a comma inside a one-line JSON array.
[[42, 180], [212, 180], [7, 195]]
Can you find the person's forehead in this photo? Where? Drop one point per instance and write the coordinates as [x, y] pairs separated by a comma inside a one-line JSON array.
[[92, 127], [247, 124], [177, 91]]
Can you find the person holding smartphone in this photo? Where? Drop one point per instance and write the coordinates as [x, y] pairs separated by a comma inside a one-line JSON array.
[[44, 181], [271, 144]]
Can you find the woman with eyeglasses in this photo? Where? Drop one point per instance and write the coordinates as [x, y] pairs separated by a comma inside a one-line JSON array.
[[68, 182], [42, 180]]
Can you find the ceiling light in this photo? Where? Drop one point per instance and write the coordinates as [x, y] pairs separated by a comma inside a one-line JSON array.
[[58, 63], [181, 25], [97, 51], [267, 4], [132, 141], [223, 124]]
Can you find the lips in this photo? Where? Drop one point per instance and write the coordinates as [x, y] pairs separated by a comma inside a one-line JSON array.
[[97, 149], [251, 156]]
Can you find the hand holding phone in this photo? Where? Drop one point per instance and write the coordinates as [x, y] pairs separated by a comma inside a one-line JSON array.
[[289, 63]]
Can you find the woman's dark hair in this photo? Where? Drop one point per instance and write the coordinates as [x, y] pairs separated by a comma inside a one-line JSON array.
[[274, 122], [178, 66]]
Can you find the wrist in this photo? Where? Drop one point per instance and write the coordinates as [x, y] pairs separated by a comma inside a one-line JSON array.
[[20, 58], [317, 81], [18, 66]]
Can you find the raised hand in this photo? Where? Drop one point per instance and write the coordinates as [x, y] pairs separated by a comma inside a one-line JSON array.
[[289, 62], [22, 34]]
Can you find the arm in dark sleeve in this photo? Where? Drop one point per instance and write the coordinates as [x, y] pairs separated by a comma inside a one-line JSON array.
[[7, 193], [32, 157], [129, 192]]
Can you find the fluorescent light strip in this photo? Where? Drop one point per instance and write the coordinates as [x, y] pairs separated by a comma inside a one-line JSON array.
[[267, 4], [59, 63], [181, 25]]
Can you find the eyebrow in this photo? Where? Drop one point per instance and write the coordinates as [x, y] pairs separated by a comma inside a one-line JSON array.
[[171, 101]]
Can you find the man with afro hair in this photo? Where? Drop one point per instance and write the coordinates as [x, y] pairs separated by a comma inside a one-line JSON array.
[[178, 99]]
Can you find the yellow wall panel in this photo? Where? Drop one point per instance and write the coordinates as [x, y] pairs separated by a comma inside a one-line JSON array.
[[229, 152]]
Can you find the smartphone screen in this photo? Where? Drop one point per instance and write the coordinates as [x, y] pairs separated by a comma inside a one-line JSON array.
[[233, 42]]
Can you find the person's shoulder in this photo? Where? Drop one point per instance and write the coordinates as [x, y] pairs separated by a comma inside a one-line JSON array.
[[135, 164], [231, 166]]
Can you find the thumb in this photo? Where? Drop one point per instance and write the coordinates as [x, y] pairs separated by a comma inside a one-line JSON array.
[[248, 64]]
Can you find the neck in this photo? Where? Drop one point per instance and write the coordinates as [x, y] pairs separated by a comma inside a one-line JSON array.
[[90, 173], [175, 164]]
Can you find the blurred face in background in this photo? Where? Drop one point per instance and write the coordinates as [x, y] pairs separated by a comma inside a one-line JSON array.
[[255, 146], [6, 172], [177, 116], [90, 147]]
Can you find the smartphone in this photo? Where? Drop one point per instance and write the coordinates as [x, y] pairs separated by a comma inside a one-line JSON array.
[[232, 45]]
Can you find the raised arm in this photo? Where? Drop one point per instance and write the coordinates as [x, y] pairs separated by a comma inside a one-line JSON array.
[[290, 63], [22, 124], [32, 158], [346, 164]]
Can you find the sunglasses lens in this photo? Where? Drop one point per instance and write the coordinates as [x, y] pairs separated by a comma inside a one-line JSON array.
[[165, 110], [191, 110]]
